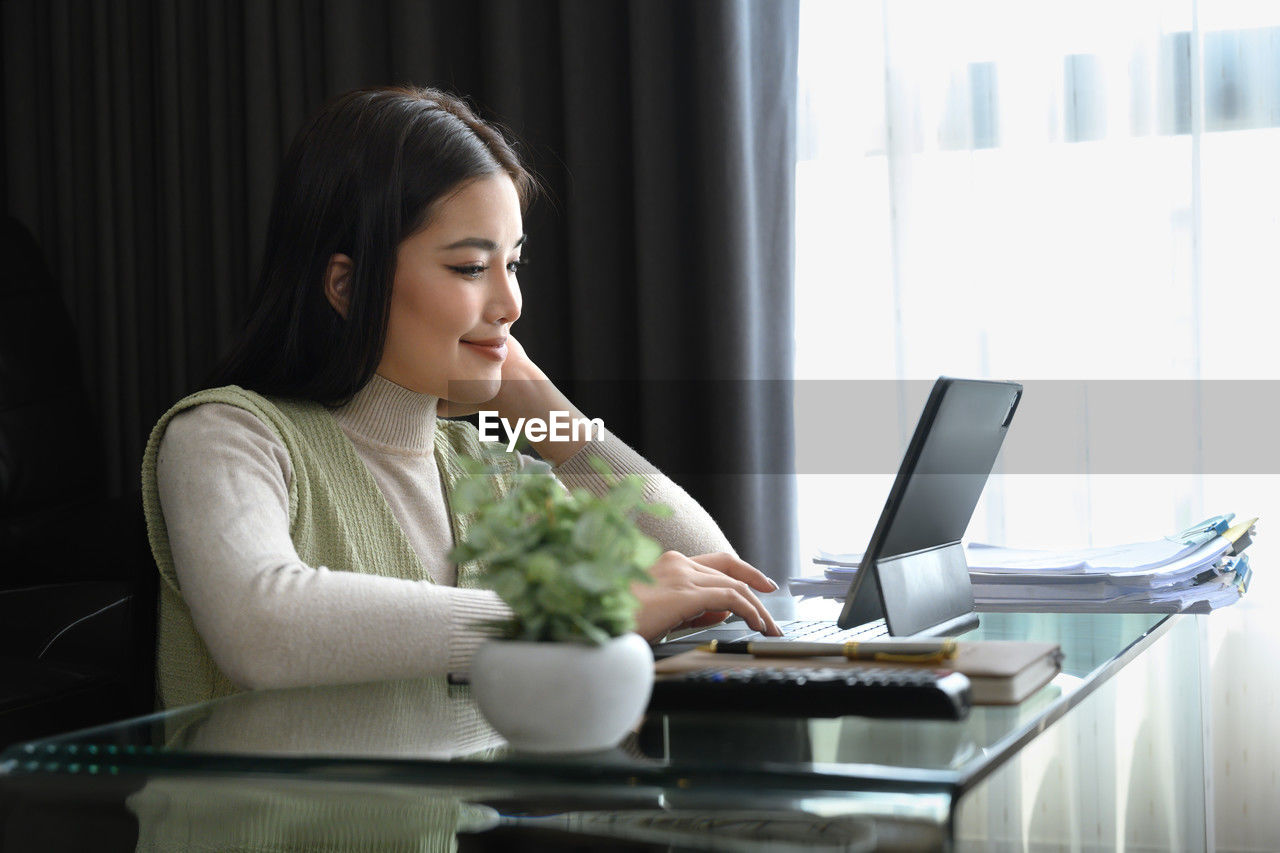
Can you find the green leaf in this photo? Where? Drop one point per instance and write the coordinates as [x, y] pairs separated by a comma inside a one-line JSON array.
[[559, 598], [658, 510], [603, 469], [627, 494], [646, 553], [541, 568], [593, 577], [589, 532], [535, 627], [464, 553], [563, 630], [510, 587], [592, 632]]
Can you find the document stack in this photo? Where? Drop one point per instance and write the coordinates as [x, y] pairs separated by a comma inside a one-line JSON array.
[[1201, 569]]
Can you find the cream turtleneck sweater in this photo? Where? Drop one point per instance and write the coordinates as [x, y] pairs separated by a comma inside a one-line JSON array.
[[270, 620]]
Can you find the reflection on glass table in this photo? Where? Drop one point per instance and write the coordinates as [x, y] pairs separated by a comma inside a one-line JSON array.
[[412, 764]]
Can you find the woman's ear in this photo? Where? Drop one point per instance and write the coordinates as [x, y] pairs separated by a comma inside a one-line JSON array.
[[337, 283]]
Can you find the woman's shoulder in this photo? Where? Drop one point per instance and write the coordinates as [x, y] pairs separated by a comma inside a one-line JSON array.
[[213, 430], [215, 419], [219, 441], [208, 455], [223, 398], [232, 405], [227, 417]]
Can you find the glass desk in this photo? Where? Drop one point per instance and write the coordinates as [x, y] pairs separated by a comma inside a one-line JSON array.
[[1112, 750]]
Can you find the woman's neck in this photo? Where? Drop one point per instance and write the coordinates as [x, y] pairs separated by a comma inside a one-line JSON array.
[[392, 416]]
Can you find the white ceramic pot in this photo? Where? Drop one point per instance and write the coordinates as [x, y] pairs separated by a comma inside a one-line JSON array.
[[563, 697]]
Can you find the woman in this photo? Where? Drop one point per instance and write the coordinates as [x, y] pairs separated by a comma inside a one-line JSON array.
[[299, 511]]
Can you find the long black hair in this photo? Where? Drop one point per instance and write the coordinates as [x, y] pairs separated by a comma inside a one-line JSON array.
[[361, 176]]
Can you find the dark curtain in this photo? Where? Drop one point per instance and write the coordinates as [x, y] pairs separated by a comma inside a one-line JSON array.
[[142, 141]]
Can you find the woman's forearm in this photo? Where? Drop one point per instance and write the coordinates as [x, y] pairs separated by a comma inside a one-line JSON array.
[[689, 529]]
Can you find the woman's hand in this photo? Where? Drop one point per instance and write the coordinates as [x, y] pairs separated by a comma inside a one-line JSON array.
[[693, 592]]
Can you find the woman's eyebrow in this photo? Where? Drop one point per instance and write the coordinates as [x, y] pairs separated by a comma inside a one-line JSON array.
[[480, 243]]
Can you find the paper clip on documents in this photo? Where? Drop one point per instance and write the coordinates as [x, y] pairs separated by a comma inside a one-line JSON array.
[[1205, 531]]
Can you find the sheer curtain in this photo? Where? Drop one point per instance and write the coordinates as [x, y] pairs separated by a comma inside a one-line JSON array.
[[1052, 191]]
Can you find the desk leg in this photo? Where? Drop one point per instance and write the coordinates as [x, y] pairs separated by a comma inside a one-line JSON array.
[[1125, 770], [1206, 730]]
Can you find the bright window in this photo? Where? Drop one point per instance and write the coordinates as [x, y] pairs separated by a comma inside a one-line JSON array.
[[1041, 191]]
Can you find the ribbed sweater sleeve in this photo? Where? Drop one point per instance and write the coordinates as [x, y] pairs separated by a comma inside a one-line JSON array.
[[268, 619], [689, 529]]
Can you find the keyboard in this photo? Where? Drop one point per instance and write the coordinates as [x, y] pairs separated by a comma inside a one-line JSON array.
[[809, 631], [824, 630], [900, 692]]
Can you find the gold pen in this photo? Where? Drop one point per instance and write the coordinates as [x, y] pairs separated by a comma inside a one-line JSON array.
[[934, 651]]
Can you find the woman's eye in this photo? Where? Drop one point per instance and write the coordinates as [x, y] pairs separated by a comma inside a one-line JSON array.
[[470, 270], [514, 266]]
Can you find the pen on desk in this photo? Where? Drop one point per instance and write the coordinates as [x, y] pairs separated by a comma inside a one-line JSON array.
[[918, 652]]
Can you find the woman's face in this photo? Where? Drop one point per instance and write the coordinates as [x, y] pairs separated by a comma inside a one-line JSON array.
[[455, 295]]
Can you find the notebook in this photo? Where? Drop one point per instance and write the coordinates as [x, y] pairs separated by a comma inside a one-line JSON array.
[[1000, 672], [914, 581]]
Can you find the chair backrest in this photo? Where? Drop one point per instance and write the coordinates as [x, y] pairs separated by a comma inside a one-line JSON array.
[[50, 447], [77, 583]]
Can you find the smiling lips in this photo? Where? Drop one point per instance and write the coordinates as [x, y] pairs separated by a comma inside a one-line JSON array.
[[495, 348]]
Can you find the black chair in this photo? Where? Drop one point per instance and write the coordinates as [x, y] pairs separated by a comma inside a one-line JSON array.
[[77, 583]]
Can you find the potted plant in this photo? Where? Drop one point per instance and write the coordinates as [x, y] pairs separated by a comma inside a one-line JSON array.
[[567, 673]]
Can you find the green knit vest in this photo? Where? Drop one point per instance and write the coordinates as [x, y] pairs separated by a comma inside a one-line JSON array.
[[337, 518]]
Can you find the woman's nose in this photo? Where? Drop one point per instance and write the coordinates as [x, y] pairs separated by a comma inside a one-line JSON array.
[[506, 301]]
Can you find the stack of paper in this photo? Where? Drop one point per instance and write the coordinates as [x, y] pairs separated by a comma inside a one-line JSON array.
[[1199, 570]]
